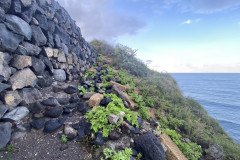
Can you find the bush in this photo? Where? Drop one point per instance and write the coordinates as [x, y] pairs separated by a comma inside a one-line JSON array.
[[120, 155]]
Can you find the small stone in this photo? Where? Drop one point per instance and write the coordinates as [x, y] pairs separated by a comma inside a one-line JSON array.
[[122, 114], [3, 86], [99, 85], [63, 101], [21, 62], [31, 95], [59, 75], [119, 144], [113, 118], [61, 57], [38, 66], [74, 98], [35, 107], [17, 114], [92, 70], [71, 90], [50, 102], [63, 147], [45, 80], [38, 123], [88, 95], [95, 100], [3, 110], [48, 51], [80, 134], [70, 132], [99, 140], [16, 7], [23, 78], [54, 112], [105, 101], [19, 26], [113, 135], [121, 87], [12, 99], [5, 134], [51, 126]]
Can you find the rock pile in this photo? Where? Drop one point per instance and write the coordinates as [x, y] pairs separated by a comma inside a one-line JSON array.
[[40, 45]]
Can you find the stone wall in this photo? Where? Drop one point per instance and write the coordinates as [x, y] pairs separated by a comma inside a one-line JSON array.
[[39, 44]]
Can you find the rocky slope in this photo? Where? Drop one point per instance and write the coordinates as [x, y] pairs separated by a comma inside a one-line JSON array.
[[44, 97]]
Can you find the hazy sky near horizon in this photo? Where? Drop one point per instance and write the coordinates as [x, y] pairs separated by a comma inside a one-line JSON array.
[[177, 35]]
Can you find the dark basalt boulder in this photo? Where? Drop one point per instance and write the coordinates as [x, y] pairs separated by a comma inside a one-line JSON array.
[[150, 147], [38, 123], [54, 112], [52, 126]]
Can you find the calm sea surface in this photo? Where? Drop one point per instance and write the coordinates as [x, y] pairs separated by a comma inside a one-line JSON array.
[[219, 94]]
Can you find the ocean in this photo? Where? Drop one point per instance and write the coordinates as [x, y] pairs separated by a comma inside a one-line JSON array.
[[218, 93]]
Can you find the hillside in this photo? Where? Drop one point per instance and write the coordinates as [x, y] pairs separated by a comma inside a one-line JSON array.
[[64, 98], [160, 91]]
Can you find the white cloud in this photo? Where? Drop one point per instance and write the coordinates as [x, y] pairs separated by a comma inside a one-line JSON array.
[[239, 23], [97, 19], [187, 22]]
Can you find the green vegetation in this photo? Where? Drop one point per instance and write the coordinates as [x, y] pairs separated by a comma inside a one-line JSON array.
[[82, 90], [160, 90], [99, 117], [9, 149], [64, 138], [89, 73], [190, 150], [120, 155], [139, 156]]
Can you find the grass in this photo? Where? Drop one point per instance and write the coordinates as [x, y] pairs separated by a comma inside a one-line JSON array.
[[160, 91]]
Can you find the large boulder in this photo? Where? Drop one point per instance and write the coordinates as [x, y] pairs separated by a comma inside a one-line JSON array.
[[26, 48], [215, 152], [21, 62], [5, 134], [173, 151], [17, 114], [31, 95], [95, 100], [59, 75], [52, 126], [121, 87], [12, 98], [23, 78], [38, 36], [19, 26], [9, 41], [150, 147]]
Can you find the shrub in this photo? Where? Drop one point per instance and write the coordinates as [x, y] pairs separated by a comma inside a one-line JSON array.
[[120, 155], [99, 117]]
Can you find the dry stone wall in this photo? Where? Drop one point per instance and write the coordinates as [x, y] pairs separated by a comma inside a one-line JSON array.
[[39, 45]]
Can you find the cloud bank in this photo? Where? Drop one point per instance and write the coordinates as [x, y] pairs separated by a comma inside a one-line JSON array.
[[97, 20]]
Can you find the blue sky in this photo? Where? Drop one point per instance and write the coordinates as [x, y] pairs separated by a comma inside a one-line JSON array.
[[177, 35]]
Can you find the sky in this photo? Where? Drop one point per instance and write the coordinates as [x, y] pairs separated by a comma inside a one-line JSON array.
[[178, 36]]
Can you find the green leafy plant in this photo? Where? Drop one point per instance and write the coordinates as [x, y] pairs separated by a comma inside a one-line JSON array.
[[82, 90], [139, 156], [120, 155], [190, 150], [92, 89], [99, 117], [64, 138], [89, 73]]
